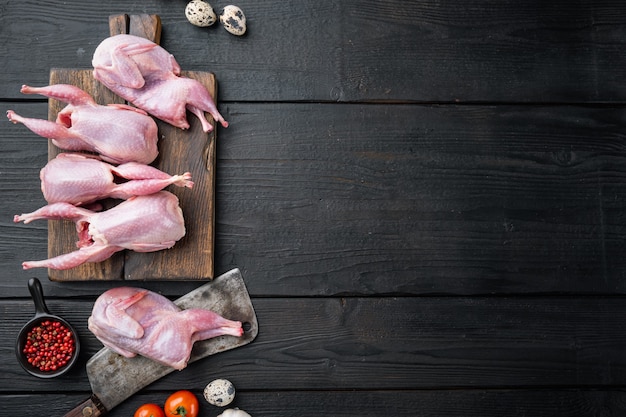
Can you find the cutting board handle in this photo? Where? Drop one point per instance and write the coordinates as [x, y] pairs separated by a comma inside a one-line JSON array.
[[92, 407], [144, 25]]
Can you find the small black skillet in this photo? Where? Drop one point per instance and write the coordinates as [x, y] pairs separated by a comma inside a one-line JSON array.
[[42, 314]]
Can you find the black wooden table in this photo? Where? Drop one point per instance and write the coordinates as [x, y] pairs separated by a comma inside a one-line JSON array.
[[426, 200]]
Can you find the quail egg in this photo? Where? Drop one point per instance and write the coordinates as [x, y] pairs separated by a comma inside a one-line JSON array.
[[220, 392], [200, 13], [233, 19]]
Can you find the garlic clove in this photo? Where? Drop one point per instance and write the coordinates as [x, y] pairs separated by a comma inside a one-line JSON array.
[[234, 412]]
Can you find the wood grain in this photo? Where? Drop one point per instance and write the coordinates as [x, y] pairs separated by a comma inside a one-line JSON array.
[[388, 343], [436, 402], [318, 199], [145, 25], [426, 200], [388, 50]]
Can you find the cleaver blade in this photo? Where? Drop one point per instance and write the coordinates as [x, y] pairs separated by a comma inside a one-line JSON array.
[[114, 378]]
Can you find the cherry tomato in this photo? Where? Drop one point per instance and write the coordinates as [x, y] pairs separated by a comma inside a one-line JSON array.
[[149, 410], [181, 404]]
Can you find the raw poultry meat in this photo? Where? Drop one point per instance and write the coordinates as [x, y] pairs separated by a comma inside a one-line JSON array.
[[133, 321], [118, 133], [142, 223], [148, 76], [79, 179]]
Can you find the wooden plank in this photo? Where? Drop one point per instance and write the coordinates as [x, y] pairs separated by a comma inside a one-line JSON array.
[[410, 403], [443, 199], [423, 199], [179, 151], [389, 50], [387, 343]]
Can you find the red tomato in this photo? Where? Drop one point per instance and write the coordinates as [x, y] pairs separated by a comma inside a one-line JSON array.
[[181, 404], [149, 410]]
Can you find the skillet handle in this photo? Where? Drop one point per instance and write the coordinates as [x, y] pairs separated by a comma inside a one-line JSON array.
[[36, 291], [92, 407]]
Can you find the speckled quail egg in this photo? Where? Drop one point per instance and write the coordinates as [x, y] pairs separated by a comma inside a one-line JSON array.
[[233, 19], [220, 392], [200, 13]]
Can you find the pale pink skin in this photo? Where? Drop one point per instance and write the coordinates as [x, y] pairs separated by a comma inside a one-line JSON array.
[[117, 132], [79, 179], [142, 223], [145, 74], [132, 321]]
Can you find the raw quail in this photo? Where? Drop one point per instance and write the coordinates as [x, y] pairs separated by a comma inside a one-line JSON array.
[[148, 76], [142, 223], [117, 132], [132, 321], [79, 179]]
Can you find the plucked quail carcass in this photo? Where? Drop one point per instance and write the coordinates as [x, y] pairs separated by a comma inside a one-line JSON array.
[[145, 223], [132, 321], [145, 74], [80, 179], [117, 132]]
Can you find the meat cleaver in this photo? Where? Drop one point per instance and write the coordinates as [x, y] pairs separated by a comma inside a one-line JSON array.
[[114, 378]]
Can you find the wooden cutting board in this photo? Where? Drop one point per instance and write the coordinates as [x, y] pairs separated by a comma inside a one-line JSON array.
[[179, 151]]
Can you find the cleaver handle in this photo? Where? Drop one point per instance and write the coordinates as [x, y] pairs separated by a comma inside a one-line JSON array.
[[92, 407]]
